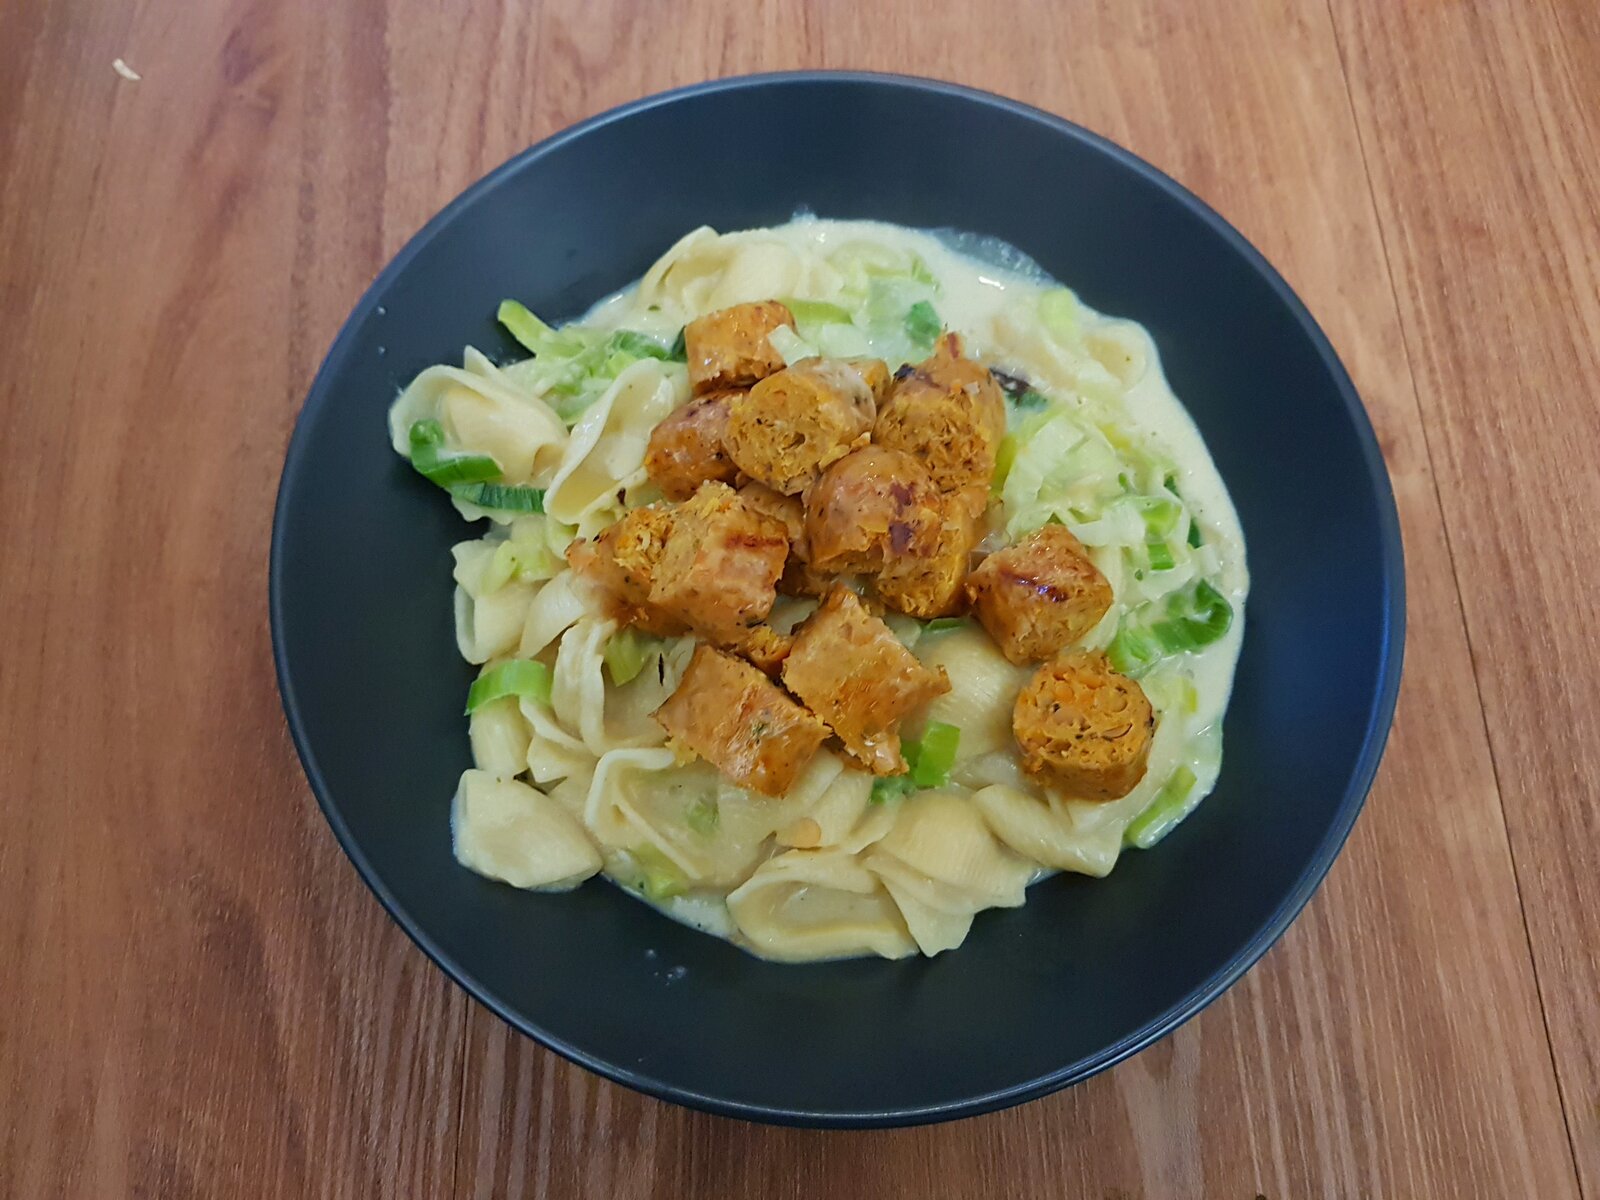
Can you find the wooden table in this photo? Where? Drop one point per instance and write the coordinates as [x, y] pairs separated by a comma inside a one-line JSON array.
[[199, 998]]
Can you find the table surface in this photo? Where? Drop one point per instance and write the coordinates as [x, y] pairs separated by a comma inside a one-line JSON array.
[[199, 996]]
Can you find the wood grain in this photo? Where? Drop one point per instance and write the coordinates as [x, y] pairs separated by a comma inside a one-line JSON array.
[[201, 999], [1485, 160]]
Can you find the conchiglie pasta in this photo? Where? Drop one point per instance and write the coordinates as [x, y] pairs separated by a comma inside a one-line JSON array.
[[1065, 835], [815, 904], [506, 830], [831, 805], [983, 687], [500, 738], [942, 866], [685, 275], [758, 270], [711, 833], [941, 835], [841, 807], [705, 271], [1056, 359], [937, 916]]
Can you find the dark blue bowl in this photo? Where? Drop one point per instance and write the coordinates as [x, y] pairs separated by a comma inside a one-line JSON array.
[[1089, 971]]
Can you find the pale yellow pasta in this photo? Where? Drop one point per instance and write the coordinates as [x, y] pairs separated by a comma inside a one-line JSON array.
[[508, 831], [482, 412], [500, 738], [553, 753], [489, 623], [942, 865], [937, 916], [810, 904], [578, 688], [556, 607], [604, 716], [606, 451], [641, 800], [841, 805], [1064, 364], [942, 836], [1063, 835], [983, 688], [570, 793], [705, 271]]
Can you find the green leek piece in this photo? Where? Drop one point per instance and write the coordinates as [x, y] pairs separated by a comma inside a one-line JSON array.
[[923, 325], [1060, 312], [501, 497], [1162, 811], [518, 677], [818, 312], [626, 653], [521, 559], [1185, 621], [659, 877], [445, 467], [534, 334], [932, 755], [891, 787], [703, 816], [1160, 556]]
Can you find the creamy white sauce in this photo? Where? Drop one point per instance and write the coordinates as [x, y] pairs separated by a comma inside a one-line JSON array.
[[978, 278]]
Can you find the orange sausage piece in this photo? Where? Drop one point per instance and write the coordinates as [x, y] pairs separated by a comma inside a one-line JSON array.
[[686, 447], [792, 424], [949, 413], [1083, 728], [737, 719], [932, 585], [1040, 595], [851, 671], [729, 348], [870, 507], [718, 570]]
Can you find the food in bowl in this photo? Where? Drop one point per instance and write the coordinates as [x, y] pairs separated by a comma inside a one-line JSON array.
[[840, 581]]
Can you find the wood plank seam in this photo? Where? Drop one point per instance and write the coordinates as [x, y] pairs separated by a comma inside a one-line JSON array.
[[1455, 576], [467, 1011]]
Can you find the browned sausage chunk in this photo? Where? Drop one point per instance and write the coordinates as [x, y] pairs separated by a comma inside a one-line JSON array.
[[850, 670], [791, 425], [737, 719], [1084, 729], [876, 374], [950, 413], [870, 507], [931, 586], [763, 647], [686, 448], [718, 570], [798, 578], [1039, 595], [622, 563], [729, 348]]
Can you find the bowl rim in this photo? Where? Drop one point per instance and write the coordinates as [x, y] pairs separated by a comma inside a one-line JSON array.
[[1391, 649]]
